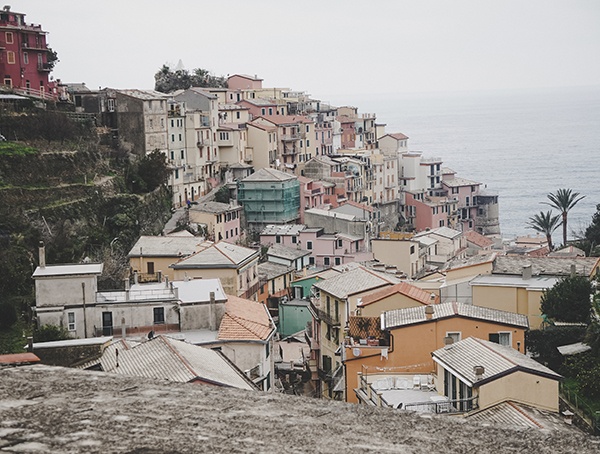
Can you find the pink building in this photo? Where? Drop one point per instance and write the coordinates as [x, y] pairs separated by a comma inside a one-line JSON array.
[[465, 192], [311, 194], [243, 82], [325, 249], [429, 212]]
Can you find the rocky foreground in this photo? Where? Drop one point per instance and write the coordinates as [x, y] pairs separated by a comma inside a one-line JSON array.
[[50, 409]]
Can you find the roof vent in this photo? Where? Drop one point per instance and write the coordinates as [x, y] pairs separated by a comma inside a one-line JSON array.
[[478, 371], [428, 312]]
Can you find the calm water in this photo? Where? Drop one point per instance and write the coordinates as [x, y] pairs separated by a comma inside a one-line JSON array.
[[521, 144]]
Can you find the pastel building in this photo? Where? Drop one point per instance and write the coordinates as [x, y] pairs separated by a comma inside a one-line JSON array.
[[218, 221]]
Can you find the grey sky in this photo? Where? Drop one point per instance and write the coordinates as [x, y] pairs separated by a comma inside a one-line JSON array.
[[328, 47]]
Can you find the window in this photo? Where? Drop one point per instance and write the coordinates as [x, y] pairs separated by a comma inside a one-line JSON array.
[[309, 245], [10, 57], [237, 115], [172, 136], [412, 249], [159, 315], [502, 338], [277, 239], [294, 240], [338, 261], [150, 267], [326, 261], [71, 321], [311, 260], [25, 58], [9, 38], [267, 350], [182, 154], [454, 335]]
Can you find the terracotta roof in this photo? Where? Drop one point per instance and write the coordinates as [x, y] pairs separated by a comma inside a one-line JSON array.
[[397, 136], [245, 320], [218, 255], [403, 288], [19, 358], [478, 239]]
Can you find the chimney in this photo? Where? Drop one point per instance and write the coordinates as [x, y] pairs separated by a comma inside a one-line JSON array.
[[527, 271], [212, 313], [167, 281], [123, 328], [42, 255], [159, 276], [30, 344], [568, 415], [573, 270], [478, 371], [126, 281], [135, 278], [429, 312]]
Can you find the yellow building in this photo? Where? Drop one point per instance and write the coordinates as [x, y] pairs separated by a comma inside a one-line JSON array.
[[517, 283], [490, 374], [236, 267], [411, 334], [153, 254]]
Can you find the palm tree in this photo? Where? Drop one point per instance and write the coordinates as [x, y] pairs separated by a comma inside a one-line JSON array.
[[546, 224], [563, 200]]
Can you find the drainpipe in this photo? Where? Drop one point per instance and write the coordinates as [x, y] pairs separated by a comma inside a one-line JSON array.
[[84, 314]]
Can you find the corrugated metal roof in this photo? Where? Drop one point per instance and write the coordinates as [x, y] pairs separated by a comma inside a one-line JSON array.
[[497, 360], [351, 282], [68, 270], [412, 315], [169, 359]]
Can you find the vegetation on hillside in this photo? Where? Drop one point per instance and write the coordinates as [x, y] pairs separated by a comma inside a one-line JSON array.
[[59, 185], [168, 80]]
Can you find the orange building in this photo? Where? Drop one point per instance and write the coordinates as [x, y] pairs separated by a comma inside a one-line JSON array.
[[399, 296], [417, 331]]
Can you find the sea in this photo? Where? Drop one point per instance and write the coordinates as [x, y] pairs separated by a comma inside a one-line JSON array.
[[520, 144]]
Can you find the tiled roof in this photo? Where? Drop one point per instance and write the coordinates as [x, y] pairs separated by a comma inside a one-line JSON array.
[[68, 270], [457, 182], [218, 255], [287, 253], [267, 174], [403, 288], [471, 261], [497, 360], [413, 315], [166, 246], [18, 358], [552, 266], [352, 282], [569, 251], [398, 136], [272, 270], [145, 95], [164, 358], [245, 320], [287, 229], [478, 239], [214, 207]]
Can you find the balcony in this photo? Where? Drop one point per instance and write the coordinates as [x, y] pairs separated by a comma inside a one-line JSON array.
[[328, 318], [44, 67], [290, 137]]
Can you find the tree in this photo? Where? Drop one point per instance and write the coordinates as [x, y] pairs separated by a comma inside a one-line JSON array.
[[47, 333], [546, 224], [568, 300], [166, 80], [563, 200], [592, 335], [149, 172], [592, 233]]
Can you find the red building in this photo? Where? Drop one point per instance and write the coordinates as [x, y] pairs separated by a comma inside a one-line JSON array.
[[24, 55]]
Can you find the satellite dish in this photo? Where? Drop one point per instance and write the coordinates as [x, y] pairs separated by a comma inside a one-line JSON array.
[[356, 351]]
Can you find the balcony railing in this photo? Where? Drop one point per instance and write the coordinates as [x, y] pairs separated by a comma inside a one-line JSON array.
[[444, 406], [328, 318]]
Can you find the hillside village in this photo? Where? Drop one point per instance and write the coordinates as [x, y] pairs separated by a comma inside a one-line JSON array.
[[309, 252]]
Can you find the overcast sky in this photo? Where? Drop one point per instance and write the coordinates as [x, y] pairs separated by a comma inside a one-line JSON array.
[[328, 47]]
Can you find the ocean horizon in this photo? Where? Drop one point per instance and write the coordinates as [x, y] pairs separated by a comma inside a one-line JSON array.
[[521, 144]]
